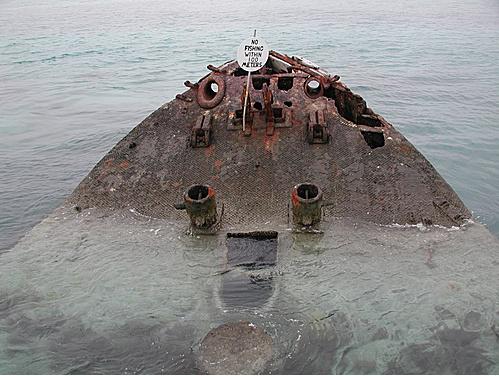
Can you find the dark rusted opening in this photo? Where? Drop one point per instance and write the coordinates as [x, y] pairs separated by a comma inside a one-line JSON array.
[[288, 103], [252, 250], [330, 93], [211, 90], [307, 191], [317, 131], [313, 88], [369, 120], [259, 81], [240, 72], [259, 235], [239, 114], [374, 139], [284, 83], [258, 106], [200, 133], [197, 192], [277, 113], [353, 108]]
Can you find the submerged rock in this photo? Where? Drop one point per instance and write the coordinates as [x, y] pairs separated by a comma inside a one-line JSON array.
[[235, 348]]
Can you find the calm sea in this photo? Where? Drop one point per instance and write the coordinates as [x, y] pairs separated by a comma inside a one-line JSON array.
[[76, 76]]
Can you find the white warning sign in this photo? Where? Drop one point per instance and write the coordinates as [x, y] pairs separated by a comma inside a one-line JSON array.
[[252, 54]]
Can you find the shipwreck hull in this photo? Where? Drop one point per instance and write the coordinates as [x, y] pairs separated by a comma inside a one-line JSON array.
[[303, 125], [112, 282]]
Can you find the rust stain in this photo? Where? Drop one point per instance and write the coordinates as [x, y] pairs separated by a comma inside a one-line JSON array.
[[294, 198], [208, 151], [124, 164], [405, 149], [218, 165], [270, 141]]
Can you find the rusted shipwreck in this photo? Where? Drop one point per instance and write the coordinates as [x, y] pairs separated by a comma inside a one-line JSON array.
[[258, 295], [311, 149]]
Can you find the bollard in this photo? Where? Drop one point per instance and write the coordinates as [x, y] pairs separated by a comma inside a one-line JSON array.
[[201, 205], [306, 199]]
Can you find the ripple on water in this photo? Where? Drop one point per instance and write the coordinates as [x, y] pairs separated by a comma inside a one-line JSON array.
[[429, 71], [90, 293]]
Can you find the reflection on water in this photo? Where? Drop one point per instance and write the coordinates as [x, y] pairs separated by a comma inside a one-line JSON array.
[[88, 293]]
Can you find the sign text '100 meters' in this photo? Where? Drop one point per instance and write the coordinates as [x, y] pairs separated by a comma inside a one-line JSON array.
[[252, 54]]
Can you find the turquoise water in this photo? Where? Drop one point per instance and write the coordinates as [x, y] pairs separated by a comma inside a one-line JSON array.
[[76, 76], [86, 293]]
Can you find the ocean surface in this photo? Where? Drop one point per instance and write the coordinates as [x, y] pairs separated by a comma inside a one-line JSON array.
[[83, 292], [76, 76]]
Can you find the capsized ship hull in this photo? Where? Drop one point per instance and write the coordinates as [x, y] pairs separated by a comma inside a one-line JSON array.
[[303, 125]]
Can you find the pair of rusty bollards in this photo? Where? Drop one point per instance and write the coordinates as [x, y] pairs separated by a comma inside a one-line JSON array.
[[201, 206]]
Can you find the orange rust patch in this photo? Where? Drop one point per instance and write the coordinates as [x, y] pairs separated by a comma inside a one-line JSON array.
[[218, 165], [124, 164], [269, 141], [208, 152], [405, 149], [294, 198]]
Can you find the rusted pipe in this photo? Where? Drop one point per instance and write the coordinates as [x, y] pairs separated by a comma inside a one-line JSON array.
[[306, 199], [201, 205], [295, 65]]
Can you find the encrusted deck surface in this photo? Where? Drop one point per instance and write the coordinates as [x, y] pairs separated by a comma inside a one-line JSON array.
[[253, 175]]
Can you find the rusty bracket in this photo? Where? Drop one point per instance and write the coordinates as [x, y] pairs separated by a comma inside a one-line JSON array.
[[235, 120], [189, 84], [213, 68], [317, 132], [283, 116], [201, 132], [269, 112]]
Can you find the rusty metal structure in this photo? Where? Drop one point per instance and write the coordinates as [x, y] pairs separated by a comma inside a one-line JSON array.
[[303, 126]]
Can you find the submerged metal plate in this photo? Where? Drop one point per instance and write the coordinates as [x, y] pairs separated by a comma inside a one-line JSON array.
[[252, 249], [248, 281]]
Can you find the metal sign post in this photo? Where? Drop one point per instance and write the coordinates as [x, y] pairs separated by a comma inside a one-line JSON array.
[[251, 56]]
